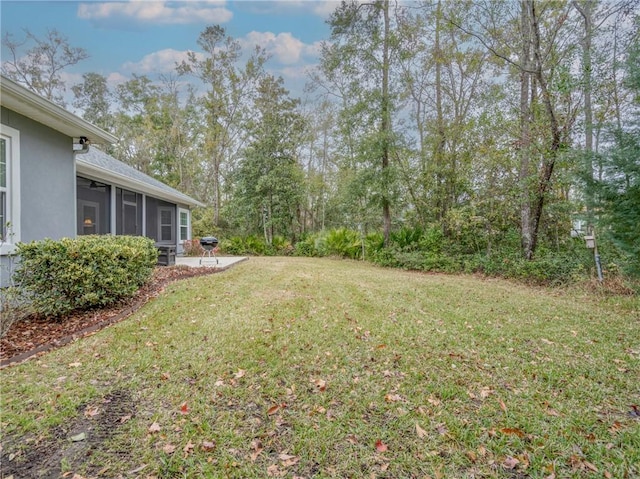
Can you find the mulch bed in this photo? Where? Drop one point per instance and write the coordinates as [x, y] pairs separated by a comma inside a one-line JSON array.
[[35, 334]]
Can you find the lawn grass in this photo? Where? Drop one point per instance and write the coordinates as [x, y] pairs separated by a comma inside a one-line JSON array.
[[289, 367]]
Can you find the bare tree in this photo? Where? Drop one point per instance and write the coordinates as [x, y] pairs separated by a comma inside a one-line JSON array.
[[40, 67]]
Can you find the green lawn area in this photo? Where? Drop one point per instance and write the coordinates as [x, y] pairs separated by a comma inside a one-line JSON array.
[[289, 367]]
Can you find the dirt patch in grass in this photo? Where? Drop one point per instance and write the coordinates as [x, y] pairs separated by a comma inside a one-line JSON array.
[[36, 334], [78, 444]]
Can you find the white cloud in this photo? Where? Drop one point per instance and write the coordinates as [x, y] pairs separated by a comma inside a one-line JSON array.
[[116, 78], [284, 47], [157, 12], [324, 9], [296, 73], [162, 61], [320, 8]]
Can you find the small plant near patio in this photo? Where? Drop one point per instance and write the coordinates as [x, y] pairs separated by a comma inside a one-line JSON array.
[[193, 247], [12, 304], [91, 271], [12, 308]]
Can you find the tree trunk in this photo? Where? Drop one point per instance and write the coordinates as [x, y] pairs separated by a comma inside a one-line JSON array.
[[551, 156], [386, 126], [525, 132], [441, 194], [216, 191]]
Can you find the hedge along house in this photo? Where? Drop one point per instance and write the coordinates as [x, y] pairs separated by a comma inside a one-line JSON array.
[[53, 185]]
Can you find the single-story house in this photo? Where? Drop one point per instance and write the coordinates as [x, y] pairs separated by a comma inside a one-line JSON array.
[[54, 183]]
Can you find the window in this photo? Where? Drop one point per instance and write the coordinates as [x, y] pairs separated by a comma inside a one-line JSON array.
[[9, 189], [165, 225], [184, 225]]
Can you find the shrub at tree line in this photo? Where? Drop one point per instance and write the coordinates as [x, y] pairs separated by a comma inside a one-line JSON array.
[[428, 249], [58, 277]]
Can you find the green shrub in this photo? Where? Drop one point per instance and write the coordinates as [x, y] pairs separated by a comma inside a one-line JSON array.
[[406, 238], [245, 245], [255, 245], [306, 246], [91, 271], [433, 240], [374, 242], [547, 268], [233, 245], [280, 246], [344, 243]]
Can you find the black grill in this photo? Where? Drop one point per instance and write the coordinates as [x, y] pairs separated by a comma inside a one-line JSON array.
[[209, 245], [209, 242]]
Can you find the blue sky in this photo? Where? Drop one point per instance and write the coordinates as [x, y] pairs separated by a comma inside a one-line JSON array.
[[147, 37]]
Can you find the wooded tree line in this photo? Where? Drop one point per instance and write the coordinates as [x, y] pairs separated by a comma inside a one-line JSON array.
[[491, 121]]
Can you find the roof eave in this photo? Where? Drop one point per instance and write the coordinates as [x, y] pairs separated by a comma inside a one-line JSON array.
[[83, 167], [17, 98]]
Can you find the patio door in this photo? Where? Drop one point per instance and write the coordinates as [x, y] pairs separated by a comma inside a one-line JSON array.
[[128, 213]]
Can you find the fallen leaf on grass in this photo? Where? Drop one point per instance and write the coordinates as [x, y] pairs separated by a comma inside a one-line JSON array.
[[168, 448], [442, 429], [393, 398], [485, 392], [588, 465], [78, 437], [273, 409], [138, 469], [155, 427], [124, 419], [512, 431], [321, 384], [257, 447], [75, 365], [274, 471], [503, 406], [420, 432], [615, 427], [288, 460], [423, 411], [184, 408], [188, 448], [240, 373], [91, 411], [510, 463], [381, 446], [208, 446]]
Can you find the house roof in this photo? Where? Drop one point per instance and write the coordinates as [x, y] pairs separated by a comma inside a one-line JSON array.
[[104, 167], [27, 103]]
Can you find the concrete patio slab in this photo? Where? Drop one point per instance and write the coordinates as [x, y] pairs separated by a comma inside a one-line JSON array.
[[224, 262]]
